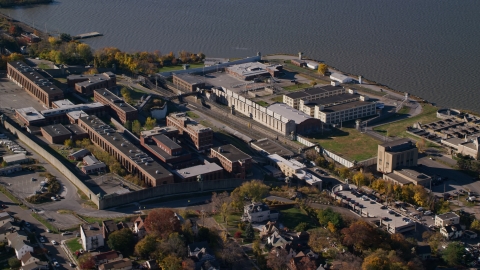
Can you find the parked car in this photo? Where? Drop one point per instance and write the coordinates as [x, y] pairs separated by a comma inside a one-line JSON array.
[[54, 242], [42, 240], [420, 209], [427, 213], [56, 264], [66, 233]]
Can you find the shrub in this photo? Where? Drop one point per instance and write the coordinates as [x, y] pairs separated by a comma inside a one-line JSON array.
[[303, 226], [238, 234]]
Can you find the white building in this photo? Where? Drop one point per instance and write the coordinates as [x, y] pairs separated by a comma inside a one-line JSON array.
[[340, 78], [290, 167], [447, 219], [453, 231], [312, 65], [19, 242], [92, 236], [15, 159], [258, 212]]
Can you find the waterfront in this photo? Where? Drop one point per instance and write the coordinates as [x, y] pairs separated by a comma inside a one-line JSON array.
[[427, 48]]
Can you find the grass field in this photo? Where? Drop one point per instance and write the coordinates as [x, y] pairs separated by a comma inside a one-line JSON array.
[[277, 99], [291, 217], [262, 103], [73, 245], [180, 67], [297, 86], [399, 129], [192, 115], [348, 142]]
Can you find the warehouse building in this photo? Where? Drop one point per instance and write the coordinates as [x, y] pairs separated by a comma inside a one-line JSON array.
[[311, 94], [340, 78], [199, 135], [33, 82], [408, 176], [304, 124], [252, 70], [134, 160], [205, 172], [86, 83], [188, 82], [117, 107]]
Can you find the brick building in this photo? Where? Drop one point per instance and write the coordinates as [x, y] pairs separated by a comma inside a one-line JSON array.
[[118, 108], [188, 82], [199, 135], [164, 144], [33, 82], [207, 171], [134, 160], [234, 161], [85, 84], [58, 133]]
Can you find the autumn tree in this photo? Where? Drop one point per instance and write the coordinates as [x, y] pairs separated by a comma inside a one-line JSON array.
[[313, 83], [360, 235], [344, 173], [359, 179], [68, 143], [230, 252], [434, 241], [322, 68], [475, 225], [86, 261], [224, 211], [327, 215], [14, 262], [171, 263], [319, 240], [453, 253], [146, 246], [122, 240], [236, 200], [421, 145], [347, 261], [218, 199], [307, 263], [321, 162], [188, 264], [255, 190], [173, 245], [85, 53], [382, 259], [162, 222], [150, 123], [128, 125], [312, 154], [136, 127], [91, 71], [277, 259]]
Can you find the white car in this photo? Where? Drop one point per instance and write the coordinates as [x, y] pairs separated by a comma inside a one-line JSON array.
[[56, 264], [54, 242], [42, 240], [420, 209], [427, 213]]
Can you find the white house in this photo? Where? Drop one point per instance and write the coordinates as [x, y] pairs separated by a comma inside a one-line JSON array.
[[277, 240], [452, 231], [447, 219], [92, 236], [258, 212], [19, 242], [340, 78], [312, 65], [139, 228]]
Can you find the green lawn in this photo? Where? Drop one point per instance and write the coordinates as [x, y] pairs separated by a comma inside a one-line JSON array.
[[277, 99], [232, 222], [291, 217], [180, 67], [404, 110], [348, 142], [399, 129], [73, 245], [297, 86], [262, 103], [192, 115], [43, 66]]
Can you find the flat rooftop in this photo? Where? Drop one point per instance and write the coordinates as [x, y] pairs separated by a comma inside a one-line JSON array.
[[346, 106], [30, 114], [56, 130], [314, 91], [124, 146], [251, 69], [76, 114], [292, 163], [289, 112], [189, 78], [192, 124], [15, 157], [158, 130], [197, 170], [91, 76], [69, 108], [270, 147], [36, 77], [115, 100], [398, 145], [75, 129], [231, 153], [62, 103], [333, 100], [166, 141]]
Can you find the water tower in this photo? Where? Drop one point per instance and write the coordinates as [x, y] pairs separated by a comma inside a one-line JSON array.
[[358, 124], [300, 55], [360, 79]]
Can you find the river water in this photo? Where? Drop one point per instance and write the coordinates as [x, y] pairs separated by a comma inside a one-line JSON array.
[[430, 48]]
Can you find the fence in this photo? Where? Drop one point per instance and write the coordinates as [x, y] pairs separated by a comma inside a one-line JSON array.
[[304, 141], [345, 162]]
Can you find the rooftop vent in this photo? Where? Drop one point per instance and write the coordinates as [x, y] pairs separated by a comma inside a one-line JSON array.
[[122, 144], [130, 151], [114, 138], [146, 163], [157, 172]]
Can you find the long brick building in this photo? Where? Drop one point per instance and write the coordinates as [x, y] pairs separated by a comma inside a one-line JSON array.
[[85, 84], [33, 82], [118, 108], [234, 161], [134, 160], [199, 135]]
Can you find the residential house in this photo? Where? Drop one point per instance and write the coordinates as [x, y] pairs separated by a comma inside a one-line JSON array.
[[29, 258], [123, 264], [19, 242], [5, 218], [35, 266], [269, 228], [277, 240], [424, 252], [139, 227], [106, 257], [7, 229], [194, 248], [202, 256], [258, 212], [453, 231], [447, 219], [92, 236], [303, 262], [108, 226]]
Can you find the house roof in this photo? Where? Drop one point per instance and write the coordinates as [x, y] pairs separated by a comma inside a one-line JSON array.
[[110, 226], [140, 222], [109, 255], [278, 240], [91, 229], [35, 265], [196, 247], [18, 240], [80, 153], [116, 264], [424, 249], [27, 257], [447, 216]]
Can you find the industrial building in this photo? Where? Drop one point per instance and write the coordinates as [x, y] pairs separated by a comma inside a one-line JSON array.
[[199, 135], [58, 133], [118, 108], [92, 165], [234, 161], [290, 168], [311, 94], [340, 78], [33, 82], [469, 146], [86, 83], [166, 149], [134, 160], [270, 147], [408, 176], [395, 154], [304, 124], [252, 70], [188, 82], [205, 172]]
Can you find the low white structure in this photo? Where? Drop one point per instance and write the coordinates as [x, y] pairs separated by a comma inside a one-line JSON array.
[[447, 219], [92, 236], [290, 167], [15, 159], [313, 181], [277, 240], [10, 169], [453, 231], [340, 78], [312, 65], [258, 212]]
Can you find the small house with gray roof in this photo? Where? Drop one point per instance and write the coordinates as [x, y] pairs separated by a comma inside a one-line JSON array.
[[19, 242]]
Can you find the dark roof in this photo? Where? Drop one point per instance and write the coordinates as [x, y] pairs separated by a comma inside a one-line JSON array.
[[191, 79], [109, 255], [116, 264], [299, 94], [348, 105], [56, 130], [425, 249], [91, 229], [231, 153], [398, 145], [335, 99], [36, 77], [153, 168], [314, 91], [110, 226], [80, 153], [114, 100], [271, 147], [166, 141], [75, 129]]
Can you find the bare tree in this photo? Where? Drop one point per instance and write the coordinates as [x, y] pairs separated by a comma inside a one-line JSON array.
[[277, 259], [218, 199]]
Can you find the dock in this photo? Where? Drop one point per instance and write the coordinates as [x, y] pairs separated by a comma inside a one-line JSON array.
[[87, 35]]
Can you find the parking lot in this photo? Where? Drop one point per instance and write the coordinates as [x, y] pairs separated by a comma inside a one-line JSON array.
[[13, 96]]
